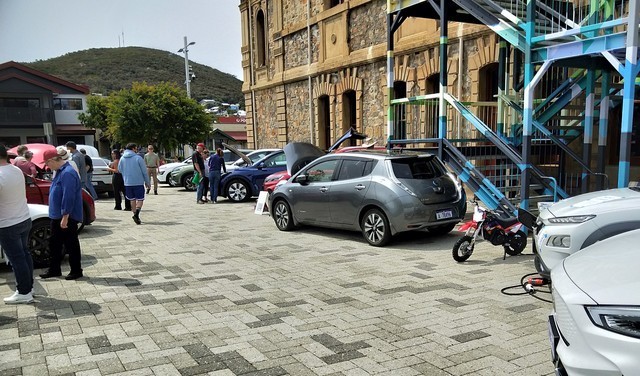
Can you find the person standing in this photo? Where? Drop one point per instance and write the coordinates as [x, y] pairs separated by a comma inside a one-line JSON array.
[[27, 166], [152, 161], [65, 211], [78, 159], [89, 183], [198, 165], [21, 149], [216, 164], [134, 174], [118, 182], [205, 177], [15, 224]]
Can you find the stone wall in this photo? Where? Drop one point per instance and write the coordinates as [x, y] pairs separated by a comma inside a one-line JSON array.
[[266, 119], [373, 105], [297, 95], [295, 49], [373, 13]]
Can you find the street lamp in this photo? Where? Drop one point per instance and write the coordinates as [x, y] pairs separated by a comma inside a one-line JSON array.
[[187, 75]]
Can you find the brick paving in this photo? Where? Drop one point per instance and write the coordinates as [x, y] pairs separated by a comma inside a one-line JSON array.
[[218, 290]]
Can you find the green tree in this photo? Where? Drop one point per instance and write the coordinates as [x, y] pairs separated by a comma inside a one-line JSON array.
[[97, 113], [160, 114]]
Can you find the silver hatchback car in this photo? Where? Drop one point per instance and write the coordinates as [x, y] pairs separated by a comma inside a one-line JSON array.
[[377, 193]]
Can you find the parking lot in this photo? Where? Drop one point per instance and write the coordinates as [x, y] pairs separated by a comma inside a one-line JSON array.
[[217, 289]]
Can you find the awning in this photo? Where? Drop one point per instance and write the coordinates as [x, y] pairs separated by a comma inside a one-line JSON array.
[[73, 129]]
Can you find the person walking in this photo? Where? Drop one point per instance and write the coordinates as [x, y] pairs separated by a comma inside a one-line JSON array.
[[118, 182], [78, 159], [65, 211], [134, 174], [198, 165], [152, 160], [15, 224], [216, 165], [89, 183], [27, 166]]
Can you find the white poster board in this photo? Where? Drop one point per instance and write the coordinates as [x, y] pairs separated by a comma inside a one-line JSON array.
[[262, 202]]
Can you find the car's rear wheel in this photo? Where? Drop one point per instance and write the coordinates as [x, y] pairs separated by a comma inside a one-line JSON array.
[[188, 183], [39, 242], [375, 228], [442, 229], [238, 191], [282, 216]]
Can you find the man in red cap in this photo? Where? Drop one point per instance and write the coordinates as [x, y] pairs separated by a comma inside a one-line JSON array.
[[65, 211], [198, 165]]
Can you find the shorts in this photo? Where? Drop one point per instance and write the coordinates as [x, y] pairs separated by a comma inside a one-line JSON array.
[[134, 192]]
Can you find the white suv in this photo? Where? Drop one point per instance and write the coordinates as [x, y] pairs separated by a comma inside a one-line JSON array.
[[578, 222], [595, 324]]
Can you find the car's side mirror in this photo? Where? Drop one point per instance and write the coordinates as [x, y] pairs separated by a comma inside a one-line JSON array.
[[260, 166], [302, 179]]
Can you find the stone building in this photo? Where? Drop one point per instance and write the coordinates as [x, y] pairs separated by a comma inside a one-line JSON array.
[[314, 68]]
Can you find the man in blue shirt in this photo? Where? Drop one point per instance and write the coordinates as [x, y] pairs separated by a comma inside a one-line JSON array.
[[65, 211], [134, 174]]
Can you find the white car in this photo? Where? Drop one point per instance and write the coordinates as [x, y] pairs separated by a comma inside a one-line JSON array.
[[595, 326], [164, 171], [578, 222], [102, 179], [39, 235]]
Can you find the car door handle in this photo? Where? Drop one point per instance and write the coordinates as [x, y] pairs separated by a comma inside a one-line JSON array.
[[323, 189], [360, 187]]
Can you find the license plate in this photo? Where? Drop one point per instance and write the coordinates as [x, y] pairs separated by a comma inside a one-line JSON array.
[[444, 214]]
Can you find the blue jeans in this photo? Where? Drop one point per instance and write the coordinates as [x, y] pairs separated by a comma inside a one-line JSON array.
[[15, 244], [89, 186], [214, 182]]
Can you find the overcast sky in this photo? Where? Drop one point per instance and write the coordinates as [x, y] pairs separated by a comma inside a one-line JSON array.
[[41, 29]]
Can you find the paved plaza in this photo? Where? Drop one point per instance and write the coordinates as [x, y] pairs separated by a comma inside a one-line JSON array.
[[218, 290]]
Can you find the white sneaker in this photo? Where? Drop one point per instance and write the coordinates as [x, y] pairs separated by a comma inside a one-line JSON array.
[[18, 298]]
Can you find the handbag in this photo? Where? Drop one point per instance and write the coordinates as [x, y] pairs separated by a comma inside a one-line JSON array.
[[196, 178]]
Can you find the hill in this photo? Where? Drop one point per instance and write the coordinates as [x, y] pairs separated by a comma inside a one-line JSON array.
[[110, 69]]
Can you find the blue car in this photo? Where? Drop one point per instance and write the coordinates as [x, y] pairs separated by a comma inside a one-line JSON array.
[[245, 182]]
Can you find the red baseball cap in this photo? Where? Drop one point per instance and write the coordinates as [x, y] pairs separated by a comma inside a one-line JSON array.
[[202, 145], [48, 154]]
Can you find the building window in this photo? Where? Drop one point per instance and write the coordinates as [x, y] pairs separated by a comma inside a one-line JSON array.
[[332, 3], [349, 112], [432, 113], [324, 122], [400, 111], [261, 40], [67, 104], [20, 102], [487, 93]]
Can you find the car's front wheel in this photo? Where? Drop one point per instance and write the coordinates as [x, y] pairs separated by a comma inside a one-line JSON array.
[[39, 242], [238, 191], [375, 228], [281, 213], [188, 184]]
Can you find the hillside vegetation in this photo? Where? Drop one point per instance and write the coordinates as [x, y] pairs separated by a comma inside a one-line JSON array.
[[110, 69]]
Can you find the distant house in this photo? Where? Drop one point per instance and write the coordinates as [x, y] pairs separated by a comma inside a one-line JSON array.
[[36, 107], [230, 130]]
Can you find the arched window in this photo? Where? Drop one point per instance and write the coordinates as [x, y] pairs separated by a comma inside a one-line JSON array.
[[487, 92], [400, 111], [431, 108], [324, 122], [349, 112], [261, 40]]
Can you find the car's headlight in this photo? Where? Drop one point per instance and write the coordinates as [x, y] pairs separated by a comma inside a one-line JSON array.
[[563, 241], [573, 219], [622, 320]]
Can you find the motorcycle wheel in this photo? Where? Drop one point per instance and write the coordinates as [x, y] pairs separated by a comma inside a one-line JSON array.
[[517, 243], [463, 249]]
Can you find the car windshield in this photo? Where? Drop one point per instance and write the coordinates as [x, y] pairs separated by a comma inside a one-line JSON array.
[[417, 168]]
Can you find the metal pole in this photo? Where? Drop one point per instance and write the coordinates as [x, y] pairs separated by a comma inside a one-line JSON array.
[[187, 78]]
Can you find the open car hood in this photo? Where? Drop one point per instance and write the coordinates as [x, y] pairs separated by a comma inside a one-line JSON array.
[[351, 134], [299, 154], [238, 153], [38, 153]]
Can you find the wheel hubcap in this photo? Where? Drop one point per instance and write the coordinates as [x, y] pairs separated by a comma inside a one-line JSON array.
[[466, 248], [237, 191], [374, 228], [282, 216]]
